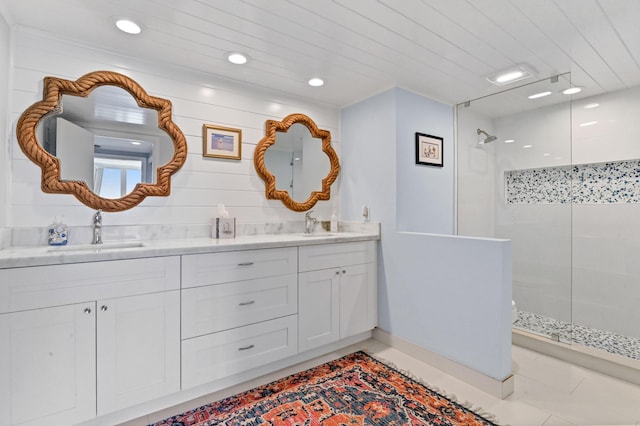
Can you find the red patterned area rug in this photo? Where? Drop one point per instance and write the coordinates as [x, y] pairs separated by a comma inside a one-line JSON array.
[[353, 390]]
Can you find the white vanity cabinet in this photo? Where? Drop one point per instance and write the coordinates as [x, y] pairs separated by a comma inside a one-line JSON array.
[[238, 312], [337, 287], [92, 337], [84, 339]]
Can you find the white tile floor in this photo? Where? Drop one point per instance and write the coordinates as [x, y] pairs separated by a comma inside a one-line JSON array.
[[548, 391]]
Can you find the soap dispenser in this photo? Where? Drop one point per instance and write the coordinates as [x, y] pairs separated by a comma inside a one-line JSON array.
[[334, 222], [58, 233]]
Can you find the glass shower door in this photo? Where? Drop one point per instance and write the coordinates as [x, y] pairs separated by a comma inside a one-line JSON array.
[[518, 186]]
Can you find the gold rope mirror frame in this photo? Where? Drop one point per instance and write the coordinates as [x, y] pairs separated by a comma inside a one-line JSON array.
[[271, 127], [53, 90]]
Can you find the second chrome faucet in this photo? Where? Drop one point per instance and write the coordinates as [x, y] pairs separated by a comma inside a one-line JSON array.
[[309, 222]]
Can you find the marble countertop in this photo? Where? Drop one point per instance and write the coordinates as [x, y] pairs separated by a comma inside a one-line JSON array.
[[15, 257]]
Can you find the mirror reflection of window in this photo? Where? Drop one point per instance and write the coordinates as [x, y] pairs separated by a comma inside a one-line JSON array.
[[114, 178]]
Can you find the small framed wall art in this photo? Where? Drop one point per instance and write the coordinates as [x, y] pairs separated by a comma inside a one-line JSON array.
[[221, 142], [429, 150]]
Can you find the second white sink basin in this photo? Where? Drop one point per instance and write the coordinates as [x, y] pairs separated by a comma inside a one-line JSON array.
[[96, 247]]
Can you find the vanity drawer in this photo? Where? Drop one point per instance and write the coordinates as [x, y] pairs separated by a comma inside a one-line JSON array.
[[216, 268], [43, 286], [220, 307], [218, 355], [325, 256]]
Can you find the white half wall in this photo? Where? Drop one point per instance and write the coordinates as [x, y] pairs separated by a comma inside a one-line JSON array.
[[452, 296]]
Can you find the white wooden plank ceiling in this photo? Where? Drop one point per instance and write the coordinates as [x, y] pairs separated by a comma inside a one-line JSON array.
[[443, 49]]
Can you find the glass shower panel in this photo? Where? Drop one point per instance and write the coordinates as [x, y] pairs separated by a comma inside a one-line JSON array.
[[518, 186], [606, 229]]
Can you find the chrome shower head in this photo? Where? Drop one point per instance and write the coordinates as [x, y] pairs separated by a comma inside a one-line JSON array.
[[488, 138]]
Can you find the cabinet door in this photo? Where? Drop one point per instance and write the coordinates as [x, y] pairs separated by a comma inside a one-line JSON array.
[[138, 349], [47, 365], [318, 308], [358, 299]]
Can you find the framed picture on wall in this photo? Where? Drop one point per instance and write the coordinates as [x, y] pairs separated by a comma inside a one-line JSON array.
[[221, 142], [429, 150]]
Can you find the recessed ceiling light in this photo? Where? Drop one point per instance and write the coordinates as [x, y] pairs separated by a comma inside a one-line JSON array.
[[136, 143], [546, 154], [539, 95], [572, 90], [237, 58], [588, 123], [509, 141], [128, 26], [593, 105], [316, 82], [527, 146], [517, 73]]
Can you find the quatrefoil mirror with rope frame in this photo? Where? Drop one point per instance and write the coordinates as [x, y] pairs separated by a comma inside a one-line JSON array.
[[103, 139], [296, 161]]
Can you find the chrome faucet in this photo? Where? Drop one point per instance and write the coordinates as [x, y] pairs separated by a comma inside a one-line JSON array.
[[309, 222], [97, 227]]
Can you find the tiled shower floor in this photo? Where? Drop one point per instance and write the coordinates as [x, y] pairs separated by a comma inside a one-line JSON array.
[[599, 339]]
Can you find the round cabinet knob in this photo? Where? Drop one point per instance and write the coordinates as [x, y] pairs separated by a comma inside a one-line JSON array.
[[337, 272], [103, 308], [87, 311], [344, 272]]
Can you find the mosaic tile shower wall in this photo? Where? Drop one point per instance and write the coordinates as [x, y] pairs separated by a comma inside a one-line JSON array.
[[602, 183]]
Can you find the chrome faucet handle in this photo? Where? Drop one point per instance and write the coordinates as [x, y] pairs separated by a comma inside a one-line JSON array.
[[97, 227], [97, 218], [309, 222]]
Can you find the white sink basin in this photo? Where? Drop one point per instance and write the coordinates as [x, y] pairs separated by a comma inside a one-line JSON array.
[[96, 247]]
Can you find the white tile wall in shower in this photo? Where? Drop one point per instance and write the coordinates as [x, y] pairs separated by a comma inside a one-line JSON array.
[[606, 249], [601, 233], [597, 233], [541, 245], [477, 189]]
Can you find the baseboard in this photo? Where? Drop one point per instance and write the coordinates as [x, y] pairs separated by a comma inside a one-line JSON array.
[[617, 366], [495, 387]]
